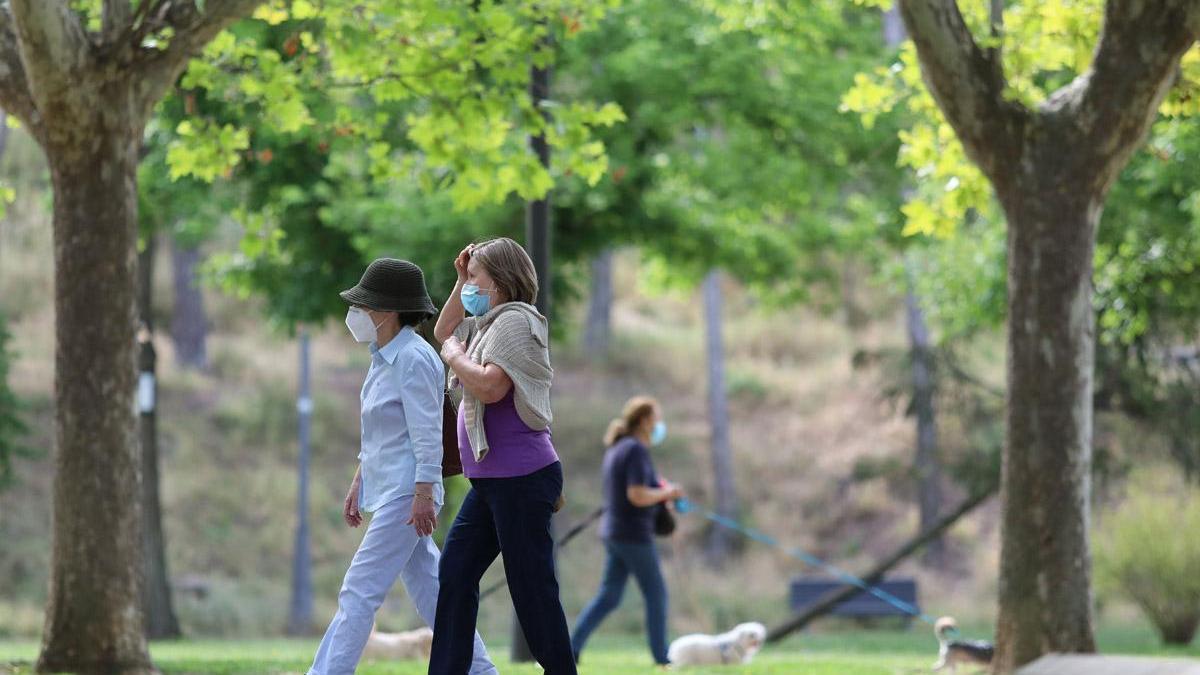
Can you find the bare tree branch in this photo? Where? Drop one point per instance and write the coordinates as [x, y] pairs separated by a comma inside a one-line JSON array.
[[116, 19], [192, 30], [1135, 65], [14, 88], [967, 82]]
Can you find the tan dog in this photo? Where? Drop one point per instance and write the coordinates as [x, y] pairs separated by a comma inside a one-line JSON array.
[[411, 645], [954, 653]]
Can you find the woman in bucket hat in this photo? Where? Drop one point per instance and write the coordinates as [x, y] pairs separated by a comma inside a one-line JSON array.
[[399, 477]]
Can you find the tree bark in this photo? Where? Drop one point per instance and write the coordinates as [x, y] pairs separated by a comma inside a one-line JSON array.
[[926, 467], [300, 613], [156, 589], [720, 542], [189, 321], [1051, 169], [852, 311], [598, 330], [3, 133], [85, 97], [1045, 569], [94, 613]]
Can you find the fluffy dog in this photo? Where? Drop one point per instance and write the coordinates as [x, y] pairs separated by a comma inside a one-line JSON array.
[[737, 646], [954, 653], [413, 645]]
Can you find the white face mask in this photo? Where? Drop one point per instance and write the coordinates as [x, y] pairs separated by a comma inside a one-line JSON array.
[[360, 324]]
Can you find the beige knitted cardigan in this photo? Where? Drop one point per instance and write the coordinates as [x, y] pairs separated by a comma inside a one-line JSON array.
[[515, 337]]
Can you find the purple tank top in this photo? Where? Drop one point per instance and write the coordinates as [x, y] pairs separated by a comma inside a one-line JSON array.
[[513, 448]]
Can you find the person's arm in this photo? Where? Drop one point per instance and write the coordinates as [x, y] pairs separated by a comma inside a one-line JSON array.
[[453, 312], [641, 482], [644, 495], [350, 509], [487, 383], [421, 395]]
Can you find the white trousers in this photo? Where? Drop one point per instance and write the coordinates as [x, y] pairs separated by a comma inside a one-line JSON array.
[[389, 550]]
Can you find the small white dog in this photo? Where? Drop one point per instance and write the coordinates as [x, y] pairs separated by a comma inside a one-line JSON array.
[[414, 645], [737, 646]]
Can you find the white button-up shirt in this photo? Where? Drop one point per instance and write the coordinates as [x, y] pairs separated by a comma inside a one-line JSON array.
[[401, 421]]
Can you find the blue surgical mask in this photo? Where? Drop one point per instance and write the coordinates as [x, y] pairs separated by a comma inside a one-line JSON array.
[[659, 433], [475, 302]]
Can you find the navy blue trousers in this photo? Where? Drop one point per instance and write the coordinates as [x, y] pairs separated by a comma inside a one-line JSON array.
[[509, 517], [640, 560]]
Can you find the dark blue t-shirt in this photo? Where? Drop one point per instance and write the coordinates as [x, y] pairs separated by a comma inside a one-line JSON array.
[[627, 463]]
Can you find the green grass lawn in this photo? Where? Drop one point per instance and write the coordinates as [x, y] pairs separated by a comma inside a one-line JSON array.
[[874, 652], [293, 656]]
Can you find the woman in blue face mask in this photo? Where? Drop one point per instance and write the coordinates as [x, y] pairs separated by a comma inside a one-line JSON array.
[[632, 490], [497, 346]]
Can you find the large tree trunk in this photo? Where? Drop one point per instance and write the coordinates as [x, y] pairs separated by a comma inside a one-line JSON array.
[[720, 542], [1051, 167], [1045, 570], [189, 321], [926, 467], [156, 590], [94, 613], [85, 96], [598, 329]]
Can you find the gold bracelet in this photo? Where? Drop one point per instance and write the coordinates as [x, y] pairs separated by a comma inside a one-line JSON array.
[[418, 494]]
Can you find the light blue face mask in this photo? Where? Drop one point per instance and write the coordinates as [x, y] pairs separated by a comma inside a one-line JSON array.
[[475, 302], [659, 434]]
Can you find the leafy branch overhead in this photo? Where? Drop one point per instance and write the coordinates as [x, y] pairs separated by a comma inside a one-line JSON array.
[[1046, 52], [47, 45], [1041, 62], [453, 79]]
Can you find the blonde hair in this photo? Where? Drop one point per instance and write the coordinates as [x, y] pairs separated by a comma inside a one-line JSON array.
[[637, 409], [510, 267]]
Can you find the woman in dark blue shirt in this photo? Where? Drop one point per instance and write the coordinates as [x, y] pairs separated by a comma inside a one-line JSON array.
[[631, 490]]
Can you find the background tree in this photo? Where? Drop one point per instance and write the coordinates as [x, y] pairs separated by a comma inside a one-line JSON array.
[[83, 80], [1051, 147], [159, 613], [720, 540], [189, 321], [597, 332], [11, 427]]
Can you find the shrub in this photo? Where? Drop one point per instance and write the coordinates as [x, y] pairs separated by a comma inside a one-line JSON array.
[[1148, 550]]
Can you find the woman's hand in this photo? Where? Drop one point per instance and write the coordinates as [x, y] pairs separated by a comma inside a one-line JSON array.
[[350, 512], [452, 348], [460, 263], [671, 492], [424, 515]]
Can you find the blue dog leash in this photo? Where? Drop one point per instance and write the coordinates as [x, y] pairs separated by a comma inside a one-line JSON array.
[[683, 505]]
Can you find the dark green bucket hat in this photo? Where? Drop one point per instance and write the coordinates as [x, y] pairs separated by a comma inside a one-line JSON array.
[[391, 285]]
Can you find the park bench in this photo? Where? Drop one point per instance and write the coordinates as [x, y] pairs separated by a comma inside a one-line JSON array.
[[862, 605]]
